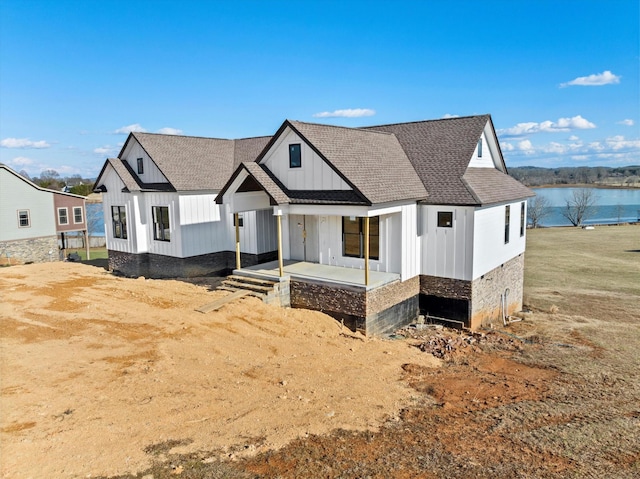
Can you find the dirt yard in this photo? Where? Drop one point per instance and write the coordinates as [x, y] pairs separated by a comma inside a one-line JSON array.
[[111, 377]]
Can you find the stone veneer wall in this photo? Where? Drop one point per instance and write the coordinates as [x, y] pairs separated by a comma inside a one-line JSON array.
[[374, 312], [488, 289], [32, 250], [152, 265]]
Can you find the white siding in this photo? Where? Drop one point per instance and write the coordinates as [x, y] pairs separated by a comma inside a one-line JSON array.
[[314, 174], [489, 249], [201, 227], [409, 242], [115, 197], [16, 194], [167, 248], [447, 252], [490, 151], [258, 234], [151, 173]]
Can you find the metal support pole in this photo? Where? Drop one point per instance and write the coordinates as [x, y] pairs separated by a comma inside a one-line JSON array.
[[86, 242], [366, 251], [236, 217]]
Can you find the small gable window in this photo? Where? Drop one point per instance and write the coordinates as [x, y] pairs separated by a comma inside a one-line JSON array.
[[295, 158], [23, 219], [77, 214], [522, 218], [480, 148], [140, 166], [507, 220], [445, 219], [63, 216]]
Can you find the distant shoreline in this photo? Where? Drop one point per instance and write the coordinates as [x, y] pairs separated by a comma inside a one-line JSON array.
[[589, 185]]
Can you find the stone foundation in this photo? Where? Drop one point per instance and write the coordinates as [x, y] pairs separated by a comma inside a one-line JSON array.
[[157, 266], [374, 312], [32, 250], [486, 305]]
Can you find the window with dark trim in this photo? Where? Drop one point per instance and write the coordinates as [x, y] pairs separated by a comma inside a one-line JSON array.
[[507, 220], [161, 231], [119, 221], [353, 237], [240, 220], [140, 166], [522, 219], [480, 148], [24, 220], [77, 214], [295, 157], [63, 216], [445, 219]]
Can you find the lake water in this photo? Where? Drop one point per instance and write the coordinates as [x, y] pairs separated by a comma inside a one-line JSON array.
[[98, 225], [612, 205]]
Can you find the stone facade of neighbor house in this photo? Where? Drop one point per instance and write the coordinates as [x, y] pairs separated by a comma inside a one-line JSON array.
[[428, 203]]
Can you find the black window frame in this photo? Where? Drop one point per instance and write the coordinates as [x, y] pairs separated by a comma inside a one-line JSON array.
[[442, 219], [480, 148], [119, 223], [295, 155], [28, 219], [161, 230], [507, 223], [240, 220], [374, 252], [66, 216], [523, 219], [140, 165]]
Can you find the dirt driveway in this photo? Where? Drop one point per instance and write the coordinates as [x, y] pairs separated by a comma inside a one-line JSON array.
[[96, 368]]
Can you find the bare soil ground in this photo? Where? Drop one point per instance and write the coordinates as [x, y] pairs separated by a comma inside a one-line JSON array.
[[114, 377]]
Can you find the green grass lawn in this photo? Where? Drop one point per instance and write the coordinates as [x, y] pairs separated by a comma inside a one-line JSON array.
[[96, 253]]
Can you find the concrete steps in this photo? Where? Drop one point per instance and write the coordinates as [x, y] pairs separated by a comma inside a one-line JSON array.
[[270, 291]]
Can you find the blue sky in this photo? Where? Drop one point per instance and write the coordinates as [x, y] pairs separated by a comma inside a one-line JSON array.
[[560, 78]]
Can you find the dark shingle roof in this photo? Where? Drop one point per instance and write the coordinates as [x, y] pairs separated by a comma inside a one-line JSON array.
[[440, 151], [373, 162], [194, 163], [493, 186]]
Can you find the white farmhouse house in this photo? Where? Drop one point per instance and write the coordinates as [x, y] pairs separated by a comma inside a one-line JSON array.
[[370, 225]]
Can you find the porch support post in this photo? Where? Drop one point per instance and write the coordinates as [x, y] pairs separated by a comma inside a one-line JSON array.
[[87, 245], [366, 251], [236, 218], [280, 265]]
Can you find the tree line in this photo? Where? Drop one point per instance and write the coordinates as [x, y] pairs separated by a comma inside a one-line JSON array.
[[52, 180], [578, 175]]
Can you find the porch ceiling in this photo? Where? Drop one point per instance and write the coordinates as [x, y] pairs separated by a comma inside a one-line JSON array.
[[322, 273]]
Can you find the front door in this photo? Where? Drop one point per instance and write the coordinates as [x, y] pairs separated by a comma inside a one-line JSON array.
[[303, 238]]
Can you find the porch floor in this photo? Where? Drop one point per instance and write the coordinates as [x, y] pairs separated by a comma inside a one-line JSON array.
[[321, 272]]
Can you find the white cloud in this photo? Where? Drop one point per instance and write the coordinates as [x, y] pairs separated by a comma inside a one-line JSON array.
[[563, 124], [125, 130], [23, 143], [573, 138], [507, 146], [618, 142], [598, 79], [348, 113], [626, 122], [449, 115], [170, 131], [20, 161], [107, 150], [526, 147]]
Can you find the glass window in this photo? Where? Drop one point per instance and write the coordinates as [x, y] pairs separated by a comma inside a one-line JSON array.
[[353, 237], [63, 216], [507, 219], [522, 218], [480, 148], [240, 220], [119, 221], [77, 214], [140, 166], [295, 158], [24, 221], [445, 219], [161, 230]]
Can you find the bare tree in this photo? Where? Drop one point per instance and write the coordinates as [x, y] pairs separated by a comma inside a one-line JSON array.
[[94, 221], [580, 206], [539, 209]]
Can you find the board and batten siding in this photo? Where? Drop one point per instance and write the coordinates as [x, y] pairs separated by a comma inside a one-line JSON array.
[[490, 152], [489, 248], [151, 173], [115, 197], [447, 252], [15, 195], [203, 226], [409, 242], [314, 174], [258, 233]]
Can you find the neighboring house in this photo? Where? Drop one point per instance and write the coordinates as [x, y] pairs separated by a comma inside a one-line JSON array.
[[35, 220], [424, 214]]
